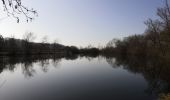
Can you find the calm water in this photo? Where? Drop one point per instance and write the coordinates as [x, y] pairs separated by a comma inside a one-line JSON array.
[[82, 78]]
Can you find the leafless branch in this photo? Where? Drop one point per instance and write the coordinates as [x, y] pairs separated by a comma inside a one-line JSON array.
[[15, 7]]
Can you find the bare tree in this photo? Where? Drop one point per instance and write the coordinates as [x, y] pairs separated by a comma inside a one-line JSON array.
[[29, 37], [15, 7], [154, 28], [45, 39], [56, 41], [112, 43], [13, 45], [164, 14], [158, 31], [44, 44], [55, 45]]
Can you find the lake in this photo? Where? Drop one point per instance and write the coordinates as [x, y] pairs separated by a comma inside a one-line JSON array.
[[80, 78]]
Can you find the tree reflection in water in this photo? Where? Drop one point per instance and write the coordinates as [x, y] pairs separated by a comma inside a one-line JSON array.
[[155, 70], [27, 63], [44, 61]]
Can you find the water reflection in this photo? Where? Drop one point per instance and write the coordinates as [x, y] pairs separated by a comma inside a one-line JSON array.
[[154, 70], [10, 63]]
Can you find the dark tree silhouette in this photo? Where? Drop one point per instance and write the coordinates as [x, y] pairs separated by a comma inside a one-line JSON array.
[[154, 41], [15, 8]]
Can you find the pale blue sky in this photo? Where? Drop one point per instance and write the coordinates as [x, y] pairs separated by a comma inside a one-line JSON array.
[[83, 22]]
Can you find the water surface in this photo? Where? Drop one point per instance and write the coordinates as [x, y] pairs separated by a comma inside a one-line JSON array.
[[82, 78]]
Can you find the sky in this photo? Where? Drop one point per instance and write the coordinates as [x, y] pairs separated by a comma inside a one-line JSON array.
[[83, 22]]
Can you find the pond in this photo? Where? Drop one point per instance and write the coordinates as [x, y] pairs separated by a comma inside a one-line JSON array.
[[79, 78]]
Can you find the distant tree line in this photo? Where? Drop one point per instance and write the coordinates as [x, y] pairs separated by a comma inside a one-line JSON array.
[[26, 46], [12, 46], [154, 41], [87, 51]]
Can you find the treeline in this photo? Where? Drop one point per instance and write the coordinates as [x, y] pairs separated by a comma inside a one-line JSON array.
[[12, 46], [26, 46], [87, 51], [154, 41]]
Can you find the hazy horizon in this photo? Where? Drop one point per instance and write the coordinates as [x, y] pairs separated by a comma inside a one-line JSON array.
[[83, 22]]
